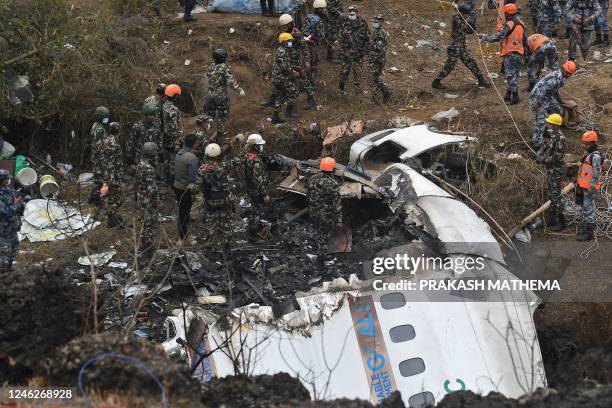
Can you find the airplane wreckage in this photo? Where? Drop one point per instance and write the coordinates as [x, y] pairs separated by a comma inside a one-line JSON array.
[[341, 337]]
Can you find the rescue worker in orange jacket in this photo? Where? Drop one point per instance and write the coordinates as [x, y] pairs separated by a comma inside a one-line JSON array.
[[587, 184], [513, 40], [540, 48]]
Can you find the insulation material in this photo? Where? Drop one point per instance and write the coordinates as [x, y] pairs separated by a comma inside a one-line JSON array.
[[346, 129]]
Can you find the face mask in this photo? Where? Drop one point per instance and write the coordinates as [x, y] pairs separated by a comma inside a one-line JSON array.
[[289, 44], [104, 121], [352, 16], [375, 25], [260, 148]]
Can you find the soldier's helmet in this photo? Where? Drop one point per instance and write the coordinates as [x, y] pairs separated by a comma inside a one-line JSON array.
[[212, 150], [101, 112], [319, 4], [4, 174], [149, 109], [219, 55], [150, 150]]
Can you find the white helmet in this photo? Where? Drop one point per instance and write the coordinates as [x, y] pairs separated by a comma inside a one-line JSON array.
[[255, 139], [212, 150], [284, 19], [319, 4]]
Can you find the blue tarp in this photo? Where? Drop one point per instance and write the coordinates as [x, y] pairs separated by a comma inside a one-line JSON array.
[[250, 6]]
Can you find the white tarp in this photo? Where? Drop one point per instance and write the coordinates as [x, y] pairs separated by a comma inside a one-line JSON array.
[[47, 220], [250, 6]]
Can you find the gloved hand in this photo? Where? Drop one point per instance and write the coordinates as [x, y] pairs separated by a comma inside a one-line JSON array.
[[242, 93]]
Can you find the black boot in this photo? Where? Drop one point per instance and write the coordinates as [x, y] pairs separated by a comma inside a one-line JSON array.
[[482, 82], [597, 38], [606, 41], [268, 103], [436, 84], [157, 11], [531, 85], [291, 112], [94, 197], [587, 233], [514, 98], [310, 102], [507, 96], [341, 87], [559, 225], [386, 95], [276, 119]]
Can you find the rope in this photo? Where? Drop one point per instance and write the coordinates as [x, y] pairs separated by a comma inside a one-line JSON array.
[[117, 356]]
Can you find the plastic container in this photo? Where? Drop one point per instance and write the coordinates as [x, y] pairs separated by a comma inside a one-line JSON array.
[[48, 186], [21, 162], [26, 177], [7, 150]]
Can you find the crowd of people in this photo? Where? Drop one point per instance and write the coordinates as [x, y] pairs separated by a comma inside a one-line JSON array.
[[161, 152]]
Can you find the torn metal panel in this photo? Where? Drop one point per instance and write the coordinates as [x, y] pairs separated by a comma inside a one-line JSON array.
[[409, 142], [421, 184]]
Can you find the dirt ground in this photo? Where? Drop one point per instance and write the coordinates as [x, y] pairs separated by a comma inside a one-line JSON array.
[[574, 337]]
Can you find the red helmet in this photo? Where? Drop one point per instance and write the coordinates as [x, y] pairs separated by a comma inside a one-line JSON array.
[[328, 164], [172, 90], [510, 9], [590, 136], [569, 66]]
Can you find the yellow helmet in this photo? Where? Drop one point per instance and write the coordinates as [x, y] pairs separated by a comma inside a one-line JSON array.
[[554, 119], [285, 37]]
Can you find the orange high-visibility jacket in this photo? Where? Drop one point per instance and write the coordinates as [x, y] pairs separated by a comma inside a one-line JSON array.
[[513, 42], [534, 41], [585, 174]]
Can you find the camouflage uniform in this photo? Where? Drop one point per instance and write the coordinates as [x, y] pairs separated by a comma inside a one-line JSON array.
[[601, 22], [536, 61], [354, 43], [314, 29], [143, 132], [147, 199], [534, 8], [10, 224], [549, 17], [457, 49], [513, 60], [256, 183], [202, 140], [301, 10], [581, 9], [217, 103], [325, 207], [172, 119], [299, 58], [544, 100], [589, 205], [111, 158], [472, 16], [334, 23], [283, 79], [551, 155], [98, 133], [156, 101], [213, 180], [377, 58]]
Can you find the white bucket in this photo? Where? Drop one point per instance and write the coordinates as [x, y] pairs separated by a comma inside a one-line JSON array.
[[7, 150], [26, 177], [48, 186]]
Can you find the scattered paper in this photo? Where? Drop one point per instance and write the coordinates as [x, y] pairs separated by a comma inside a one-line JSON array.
[[96, 259]]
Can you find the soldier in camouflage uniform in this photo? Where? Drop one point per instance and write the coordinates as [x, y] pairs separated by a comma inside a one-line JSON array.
[[156, 5], [457, 49], [284, 79], [11, 210], [377, 57], [157, 100], [333, 27], [545, 98], [256, 182], [539, 49], [551, 154], [143, 131], [213, 180], [314, 32], [217, 103], [99, 131], [202, 133], [513, 40], [147, 197], [602, 31], [534, 9], [549, 17], [172, 120], [324, 204], [471, 10], [582, 14], [111, 159], [354, 43]]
